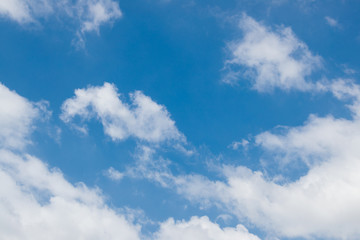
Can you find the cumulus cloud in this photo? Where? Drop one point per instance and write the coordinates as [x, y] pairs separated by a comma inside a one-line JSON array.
[[142, 118], [86, 15], [38, 203], [201, 229], [270, 58], [17, 115]]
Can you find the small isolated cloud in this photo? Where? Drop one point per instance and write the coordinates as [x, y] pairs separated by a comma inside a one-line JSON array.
[[347, 70], [114, 174], [269, 58], [332, 22], [141, 118], [236, 144], [86, 15]]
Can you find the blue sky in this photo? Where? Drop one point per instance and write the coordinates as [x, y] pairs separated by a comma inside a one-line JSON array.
[[168, 119]]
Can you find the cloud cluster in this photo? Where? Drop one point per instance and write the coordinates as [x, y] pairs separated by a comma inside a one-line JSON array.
[[37, 202], [323, 202], [271, 59], [142, 118]]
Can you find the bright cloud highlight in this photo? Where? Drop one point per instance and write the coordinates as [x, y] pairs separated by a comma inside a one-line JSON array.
[[142, 118]]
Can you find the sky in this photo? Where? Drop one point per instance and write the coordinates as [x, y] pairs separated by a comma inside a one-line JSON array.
[[179, 120]]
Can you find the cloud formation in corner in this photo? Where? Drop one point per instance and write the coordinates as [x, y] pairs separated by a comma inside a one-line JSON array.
[[17, 115], [86, 15], [272, 58], [142, 118]]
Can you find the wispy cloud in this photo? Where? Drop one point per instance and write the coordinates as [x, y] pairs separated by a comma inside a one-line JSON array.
[[113, 174], [332, 22], [84, 15]]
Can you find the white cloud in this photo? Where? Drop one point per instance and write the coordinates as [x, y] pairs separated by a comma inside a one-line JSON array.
[[17, 10], [236, 144], [201, 229], [345, 90], [332, 22], [114, 174], [271, 59], [86, 15], [17, 115], [142, 118], [38, 203]]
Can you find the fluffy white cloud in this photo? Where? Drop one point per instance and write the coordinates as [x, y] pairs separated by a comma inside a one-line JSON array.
[[274, 59], [16, 117], [142, 118], [15, 9], [38, 203], [200, 229], [87, 15]]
